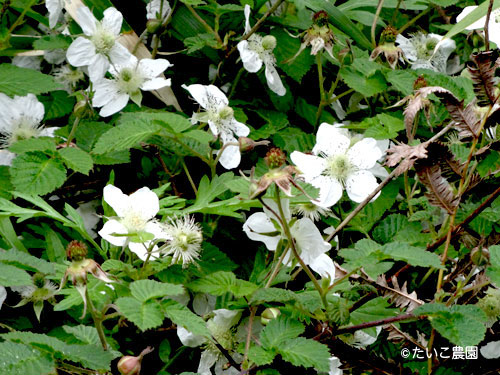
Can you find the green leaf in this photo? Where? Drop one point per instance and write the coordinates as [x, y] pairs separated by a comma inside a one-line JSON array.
[[413, 255], [145, 315], [384, 126], [273, 295], [182, 316], [57, 104], [33, 144], [463, 325], [279, 331], [222, 282], [195, 43], [213, 260], [25, 261], [260, 356], [52, 42], [375, 309], [144, 290], [127, 134], [76, 159], [286, 48], [22, 81], [306, 353], [386, 230], [493, 271], [85, 334], [366, 86], [37, 173], [13, 276], [402, 80], [20, 359], [90, 356]]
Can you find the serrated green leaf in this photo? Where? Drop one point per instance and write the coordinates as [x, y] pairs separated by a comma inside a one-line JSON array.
[[145, 315], [127, 134], [13, 276], [273, 295], [384, 126], [144, 290], [306, 353], [366, 86], [493, 271], [413, 255], [20, 359], [280, 330], [52, 42], [91, 356], [386, 230], [375, 309], [260, 356], [86, 334], [33, 144], [37, 173], [402, 80], [25, 261], [57, 104], [213, 260], [222, 282], [22, 81], [76, 159], [182, 316]]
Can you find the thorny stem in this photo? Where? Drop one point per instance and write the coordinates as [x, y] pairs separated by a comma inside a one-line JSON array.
[[379, 322], [73, 130], [341, 280], [205, 24], [321, 80], [375, 19], [293, 246], [486, 27], [97, 321], [257, 25]]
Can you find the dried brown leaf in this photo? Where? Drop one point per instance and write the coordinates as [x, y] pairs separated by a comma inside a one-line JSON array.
[[439, 191], [483, 77], [405, 155], [399, 295]]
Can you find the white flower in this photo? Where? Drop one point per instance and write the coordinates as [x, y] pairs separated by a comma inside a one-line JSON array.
[[135, 213], [20, 118], [89, 216], [220, 327], [426, 51], [335, 366], [129, 77], [99, 46], [36, 293], [28, 62], [493, 25], [336, 164], [220, 118], [68, 76], [55, 8], [491, 350], [258, 50], [153, 9], [361, 339], [186, 239], [312, 248], [311, 211]]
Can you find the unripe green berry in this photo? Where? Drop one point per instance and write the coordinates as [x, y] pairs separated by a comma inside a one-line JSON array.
[[269, 42]]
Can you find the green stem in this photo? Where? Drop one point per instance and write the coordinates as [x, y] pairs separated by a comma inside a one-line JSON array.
[[97, 321], [321, 80], [345, 277], [189, 177], [72, 132], [375, 19], [235, 82], [413, 20], [204, 24]]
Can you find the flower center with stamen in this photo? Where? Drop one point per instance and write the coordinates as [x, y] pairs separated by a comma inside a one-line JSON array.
[[133, 222], [24, 129], [129, 81], [103, 40], [339, 167]]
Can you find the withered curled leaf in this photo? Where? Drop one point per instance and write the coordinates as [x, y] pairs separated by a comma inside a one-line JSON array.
[[405, 155], [439, 191], [482, 71]]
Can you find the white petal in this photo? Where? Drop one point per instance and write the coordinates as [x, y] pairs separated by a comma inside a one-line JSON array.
[[363, 339], [379, 171], [360, 184], [250, 58], [155, 84], [203, 303], [330, 191], [153, 68], [141, 250], [335, 366], [145, 202], [116, 105], [113, 226], [407, 47], [81, 52], [3, 295], [156, 229], [90, 218], [231, 157], [207, 360], [6, 157], [54, 7], [118, 201], [491, 350], [207, 96], [28, 62], [8, 112], [331, 140], [86, 20], [224, 319], [274, 80], [260, 223], [119, 53], [49, 132], [105, 91], [365, 153], [98, 67], [323, 265], [29, 107], [188, 338], [271, 203], [112, 20], [240, 129], [246, 11], [309, 165], [309, 240]]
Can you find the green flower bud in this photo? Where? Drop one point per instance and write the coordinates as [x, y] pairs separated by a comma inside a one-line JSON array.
[[269, 42], [153, 25], [269, 314], [226, 113]]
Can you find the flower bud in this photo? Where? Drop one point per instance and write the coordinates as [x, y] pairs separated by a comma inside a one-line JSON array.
[[479, 256], [153, 25], [247, 144], [76, 250], [388, 35], [129, 365], [419, 83], [320, 18], [275, 158], [80, 108], [269, 42], [269, 314]]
